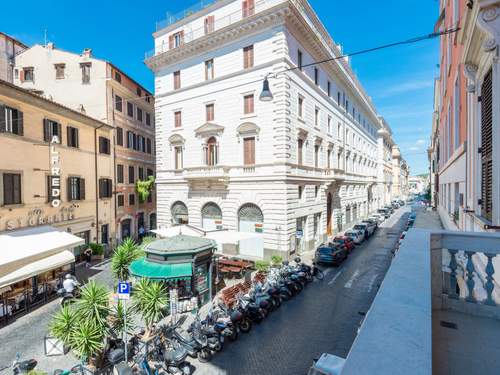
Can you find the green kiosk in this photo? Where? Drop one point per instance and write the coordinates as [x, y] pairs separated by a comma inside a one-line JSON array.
[[183, 262]]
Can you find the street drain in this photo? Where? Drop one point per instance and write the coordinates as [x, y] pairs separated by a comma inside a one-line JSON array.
[[448, 324]]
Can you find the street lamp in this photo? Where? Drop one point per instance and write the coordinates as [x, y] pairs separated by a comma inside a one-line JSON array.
[[266, 95]]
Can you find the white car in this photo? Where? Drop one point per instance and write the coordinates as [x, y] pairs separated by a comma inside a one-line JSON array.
[[378, 217], [365, 228], [357, 236]]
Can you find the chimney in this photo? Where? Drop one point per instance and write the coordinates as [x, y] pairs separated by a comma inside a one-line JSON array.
[[87, 52], [50, 45]]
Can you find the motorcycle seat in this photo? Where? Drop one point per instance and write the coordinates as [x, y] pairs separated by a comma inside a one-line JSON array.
[[176, 356]]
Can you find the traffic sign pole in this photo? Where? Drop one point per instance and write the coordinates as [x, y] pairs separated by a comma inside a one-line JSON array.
[[124, 295]]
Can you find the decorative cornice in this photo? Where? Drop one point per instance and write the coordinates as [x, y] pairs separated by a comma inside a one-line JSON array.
[[209, 129]]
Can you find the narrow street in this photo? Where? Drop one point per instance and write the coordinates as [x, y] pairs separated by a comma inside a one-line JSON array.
[[324, 318]]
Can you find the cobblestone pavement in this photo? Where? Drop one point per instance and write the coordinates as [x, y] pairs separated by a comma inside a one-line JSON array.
[[324, 318]]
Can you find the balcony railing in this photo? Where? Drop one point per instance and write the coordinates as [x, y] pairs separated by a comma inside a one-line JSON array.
[[219, 23], [433, 273], [170, 18], [206, 173]]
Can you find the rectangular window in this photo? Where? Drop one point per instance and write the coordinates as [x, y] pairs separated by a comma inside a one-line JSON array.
[[119, 173], [148, 119], [177, 80], [130, 140], [118, 77], [59, 70], [131, 174], [316, 156], [131, 199], [300, 146], [85, 72], [178, 38], [118, 103], [130, 109], [487, 146], [316, 76], [300, 191], [316, 117], [178, 119], [248, 107], [11, 188], [138, 91], [150, 172], [456, 115], [301, 107], [104, 146], [299, 59], [329, 88], [72, 136], [149, 147], [248, 57], [28, 74], [209, 24], [249, 151], [139, 114], [120, 200], [248, 8], [105, 188], [119, 136], [209, 69], [329, 125], [178, 157], [210, 112], [11, 120], [141, 173], [338, 97], [76, 189], [328, 158], [50, 129]]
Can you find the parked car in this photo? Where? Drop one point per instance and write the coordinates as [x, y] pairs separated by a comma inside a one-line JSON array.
[[344, 241], [390, 209], [395, 204], [411, 219], [371, 222], [330, 253], [401, 202], [385, 212], [366, 228], [379, 218], [327, 364], [357, 236]]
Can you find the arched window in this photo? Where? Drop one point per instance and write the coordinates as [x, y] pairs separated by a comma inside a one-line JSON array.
[[211, 216], [179, 213], [211, 152], [250, 218]]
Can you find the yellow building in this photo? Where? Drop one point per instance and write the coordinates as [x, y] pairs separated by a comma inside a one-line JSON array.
[[56, 174]]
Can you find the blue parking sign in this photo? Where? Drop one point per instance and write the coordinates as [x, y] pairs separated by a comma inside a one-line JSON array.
[[123, 290]]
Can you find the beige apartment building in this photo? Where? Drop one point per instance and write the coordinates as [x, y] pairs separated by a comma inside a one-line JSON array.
[[101, 90], [56, 169]]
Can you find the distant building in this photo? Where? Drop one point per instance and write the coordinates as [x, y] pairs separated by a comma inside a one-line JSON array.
[[9, 49], [101, 90], [417, 184]]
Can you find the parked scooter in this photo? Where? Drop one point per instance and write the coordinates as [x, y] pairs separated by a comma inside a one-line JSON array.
[[250, 309], [239, 319], [21, 367], [196, 344]]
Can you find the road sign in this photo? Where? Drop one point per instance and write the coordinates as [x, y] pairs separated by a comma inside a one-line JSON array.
[[123, 291]]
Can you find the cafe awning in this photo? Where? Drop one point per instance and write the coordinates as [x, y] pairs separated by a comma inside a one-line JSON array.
[[24, 247], [36, 268], [164, 271]]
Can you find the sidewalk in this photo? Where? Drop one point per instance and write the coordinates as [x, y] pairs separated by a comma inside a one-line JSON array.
[[427, 219]]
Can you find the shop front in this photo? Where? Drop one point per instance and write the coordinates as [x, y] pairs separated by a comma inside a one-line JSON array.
[[183, 263], [33, 263]]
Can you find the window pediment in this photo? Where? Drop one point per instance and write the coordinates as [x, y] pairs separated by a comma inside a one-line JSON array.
[[248, 129], [176, 139], [209, 129]]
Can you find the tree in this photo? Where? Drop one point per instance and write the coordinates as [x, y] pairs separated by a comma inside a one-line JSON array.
[[117, 320], [93, 305], [123, 256], [87, 340], [149, 300]]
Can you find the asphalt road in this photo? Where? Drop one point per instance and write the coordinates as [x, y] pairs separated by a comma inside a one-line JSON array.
[[323, 318]]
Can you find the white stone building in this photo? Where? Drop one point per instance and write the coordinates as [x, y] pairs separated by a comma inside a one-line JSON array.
[[297, 168]]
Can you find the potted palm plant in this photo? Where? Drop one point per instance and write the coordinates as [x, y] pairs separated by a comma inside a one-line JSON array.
[[149, 300], [123, 256]]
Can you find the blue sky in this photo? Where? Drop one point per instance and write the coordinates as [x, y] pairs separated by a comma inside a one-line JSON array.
[[399, 80]]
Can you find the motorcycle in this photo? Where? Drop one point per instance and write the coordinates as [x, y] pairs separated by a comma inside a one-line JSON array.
[[222, 323], [196, 344], [21, 367], [238, 318], [68, 297], [215, 338], [250, 310], [275, 280]]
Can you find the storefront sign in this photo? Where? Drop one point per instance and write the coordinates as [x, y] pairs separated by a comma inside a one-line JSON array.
[[37, 217], [55, 173]]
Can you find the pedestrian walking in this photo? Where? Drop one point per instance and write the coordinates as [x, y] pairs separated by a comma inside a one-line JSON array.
[[142, 231], [88, 257]]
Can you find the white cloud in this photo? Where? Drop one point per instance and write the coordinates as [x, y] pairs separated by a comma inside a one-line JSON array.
[[414, 148], [421, 141], [406, 87]]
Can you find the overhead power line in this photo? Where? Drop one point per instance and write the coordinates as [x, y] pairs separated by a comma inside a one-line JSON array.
[[274, 75]]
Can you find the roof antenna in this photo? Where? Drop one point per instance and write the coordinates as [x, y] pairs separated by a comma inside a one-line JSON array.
[[45, 37]]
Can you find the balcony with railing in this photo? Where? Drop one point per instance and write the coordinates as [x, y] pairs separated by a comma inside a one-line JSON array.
[[437, 309]]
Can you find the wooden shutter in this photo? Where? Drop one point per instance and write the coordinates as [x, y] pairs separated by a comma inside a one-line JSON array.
[[69, 139], [2, 119], [21, 75], [244, 9], [59, 132], [249, 151], [487, 146], [299, 151], [16, 188], [46, 130], [20, 122], [170, 42], [69, 188], [82, 188], [101, 188]]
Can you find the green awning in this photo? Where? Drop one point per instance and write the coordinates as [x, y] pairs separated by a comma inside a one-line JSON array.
[[168, 271]]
